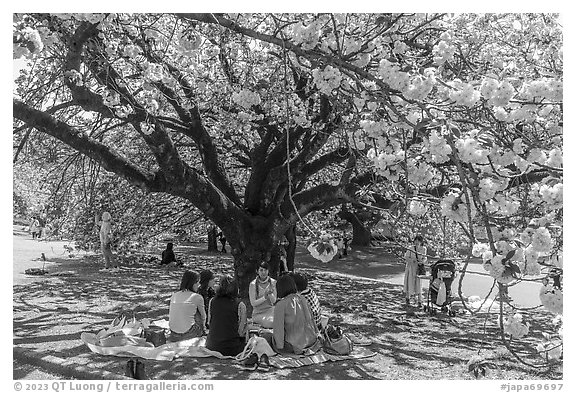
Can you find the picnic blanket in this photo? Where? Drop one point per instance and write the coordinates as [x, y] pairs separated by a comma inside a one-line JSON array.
[[196, 347], [294, 361]]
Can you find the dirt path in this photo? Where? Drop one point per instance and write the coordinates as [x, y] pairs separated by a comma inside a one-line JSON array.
[[50, 313]]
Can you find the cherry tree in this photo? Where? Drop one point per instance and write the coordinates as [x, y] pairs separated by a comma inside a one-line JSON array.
[[260, 119]]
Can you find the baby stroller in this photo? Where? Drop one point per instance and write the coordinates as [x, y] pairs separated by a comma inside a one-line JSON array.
[[440, 288]]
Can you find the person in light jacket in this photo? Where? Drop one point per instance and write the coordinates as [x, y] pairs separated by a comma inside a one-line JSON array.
[[262, 292], [294, 328]]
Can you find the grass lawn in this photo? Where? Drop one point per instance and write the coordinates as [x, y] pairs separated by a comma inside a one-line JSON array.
[[51, 312]]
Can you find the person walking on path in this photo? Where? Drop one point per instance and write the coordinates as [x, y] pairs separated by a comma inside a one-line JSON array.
[[34, 227], [414, 256], [110, 263]]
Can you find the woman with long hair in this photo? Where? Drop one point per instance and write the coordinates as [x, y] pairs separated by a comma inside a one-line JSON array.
[[414, 256], [187, 316], [227, 319], [206, 289], [294, 327]]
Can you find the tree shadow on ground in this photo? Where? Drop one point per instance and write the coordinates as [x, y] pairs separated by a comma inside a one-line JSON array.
[[50, 313]]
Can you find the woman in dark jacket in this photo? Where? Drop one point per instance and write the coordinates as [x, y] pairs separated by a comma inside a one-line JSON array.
[[227, 319]]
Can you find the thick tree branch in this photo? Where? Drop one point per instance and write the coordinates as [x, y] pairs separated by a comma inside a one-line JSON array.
[[79, 141]]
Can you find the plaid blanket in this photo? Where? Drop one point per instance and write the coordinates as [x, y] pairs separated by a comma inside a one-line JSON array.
[[294, 361]]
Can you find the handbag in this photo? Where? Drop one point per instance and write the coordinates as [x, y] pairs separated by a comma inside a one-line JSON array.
[[257, 345], [154, 335], [421, 269], [336, 342]]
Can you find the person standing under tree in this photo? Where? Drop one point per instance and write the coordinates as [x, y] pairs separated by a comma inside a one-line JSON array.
[[105, 242], [222, 241], [414, 256]]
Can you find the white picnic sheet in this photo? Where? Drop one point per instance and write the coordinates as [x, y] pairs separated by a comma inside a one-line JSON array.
[[196, 347]]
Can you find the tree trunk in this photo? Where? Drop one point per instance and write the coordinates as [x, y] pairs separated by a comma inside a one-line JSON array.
[[361, 235], [212, 241], [291, 248]]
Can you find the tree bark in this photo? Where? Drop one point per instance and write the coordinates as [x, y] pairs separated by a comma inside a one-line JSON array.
[[360, 234], [291, 248], [212, 242]]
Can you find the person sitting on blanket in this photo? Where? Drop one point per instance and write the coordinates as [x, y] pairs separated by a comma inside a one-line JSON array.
[[308, 294], [294, 328], [187, 315], [227, 319], [206, 289], [262, 292]]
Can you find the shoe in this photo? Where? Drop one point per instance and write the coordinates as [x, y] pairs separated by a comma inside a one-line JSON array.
[[264, 363], [251, 363]]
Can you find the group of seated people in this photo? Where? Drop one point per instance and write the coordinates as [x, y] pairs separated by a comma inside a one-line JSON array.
[[286, 306]]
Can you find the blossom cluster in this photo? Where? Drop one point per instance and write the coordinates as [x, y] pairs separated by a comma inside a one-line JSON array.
[[478, 249], [417, 208], [149, 102], [190, 42], [551, 350], [399, 47], [324, 249], [552, 299], [445, 49], [470, 151], [531, 266], [131, 51], [554, 158], [32, 36], [542, 240], [496, 267], [392, 76], [514, 326], [123, 111], [438, 147], [552, 195], [246, 98], [498, 94], [453, 207], [420, 87], [419, 173], [111, 98], [90, 18], [550, 89], [153, 72], [503, 205], [373, 129], [463, 93], [387, 163], [489, 186], [327, 79], [306, 36]]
